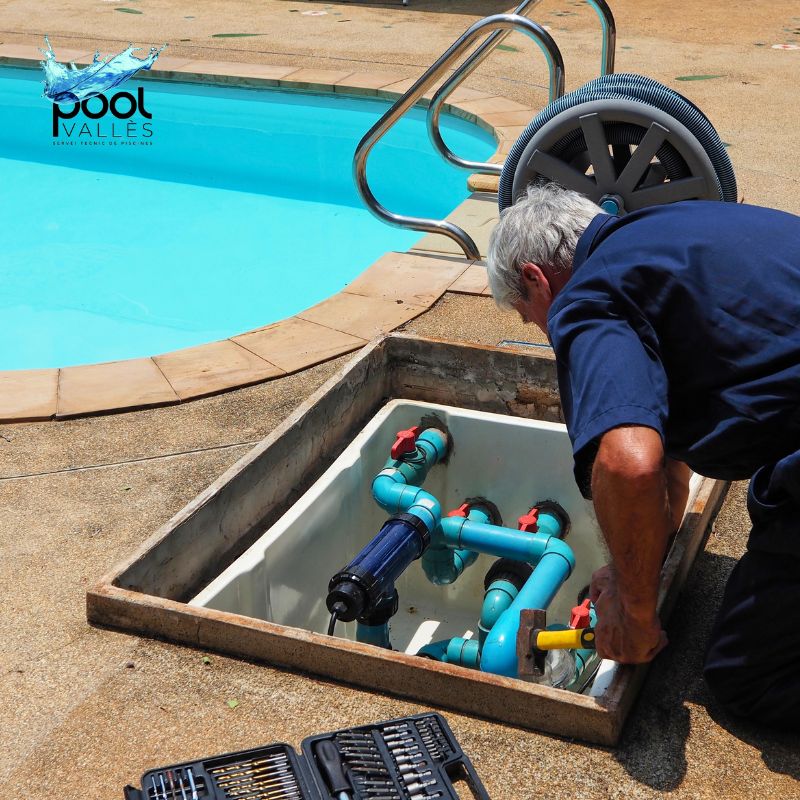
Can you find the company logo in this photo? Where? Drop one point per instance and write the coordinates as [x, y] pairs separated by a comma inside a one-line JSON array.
[[83, 113]]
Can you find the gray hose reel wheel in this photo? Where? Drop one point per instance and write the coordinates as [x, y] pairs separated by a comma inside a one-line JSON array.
[[624, 141]]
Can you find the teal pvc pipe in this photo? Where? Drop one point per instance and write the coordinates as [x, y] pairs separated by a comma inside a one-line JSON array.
[[498, 597], [498, 541], [464, 652], [398, 498], [443, 565], [435, 650], [373, 634], [396, 487], [433, 442], [549, 524], [499, 654]]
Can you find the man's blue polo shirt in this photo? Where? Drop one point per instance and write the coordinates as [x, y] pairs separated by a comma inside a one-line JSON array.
[[684, 318]]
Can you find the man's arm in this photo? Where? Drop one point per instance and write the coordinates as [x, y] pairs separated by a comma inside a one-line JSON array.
[[630, 487]]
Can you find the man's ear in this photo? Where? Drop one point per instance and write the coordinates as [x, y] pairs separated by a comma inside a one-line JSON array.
[[534, 279]]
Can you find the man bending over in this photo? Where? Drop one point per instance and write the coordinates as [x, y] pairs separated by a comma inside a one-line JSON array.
[[676, 331]]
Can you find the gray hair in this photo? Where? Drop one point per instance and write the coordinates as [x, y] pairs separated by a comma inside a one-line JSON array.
[[542, 228]]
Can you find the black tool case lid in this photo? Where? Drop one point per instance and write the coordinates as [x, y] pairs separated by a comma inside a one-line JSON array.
[[238, 775], [448, 762]]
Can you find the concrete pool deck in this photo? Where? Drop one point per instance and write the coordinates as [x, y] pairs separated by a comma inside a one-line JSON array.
[[85, 710]]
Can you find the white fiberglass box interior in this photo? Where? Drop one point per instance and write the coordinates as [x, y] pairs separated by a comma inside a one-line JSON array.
[[283, 577]]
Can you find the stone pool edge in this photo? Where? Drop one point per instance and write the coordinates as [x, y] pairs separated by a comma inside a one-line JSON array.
[[394, 290]]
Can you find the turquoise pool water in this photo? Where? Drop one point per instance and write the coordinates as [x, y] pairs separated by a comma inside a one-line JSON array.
[[241, 211]]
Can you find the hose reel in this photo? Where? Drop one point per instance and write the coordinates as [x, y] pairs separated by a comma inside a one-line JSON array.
[[626, 142]]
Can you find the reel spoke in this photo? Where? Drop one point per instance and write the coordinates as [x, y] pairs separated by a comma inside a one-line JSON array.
[[671, 192], [597, 144], [562, 173], [639, 164]]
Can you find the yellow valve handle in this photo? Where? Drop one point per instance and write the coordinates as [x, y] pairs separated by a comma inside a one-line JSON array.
[[578, 639]]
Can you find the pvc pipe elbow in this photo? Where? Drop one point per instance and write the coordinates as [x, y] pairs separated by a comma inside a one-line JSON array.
[[435, 650], [499, 596], [397, 497], [438, 566], [387, 491], [559, 547], [499, 654], [427, 508], [463, 652], [443, 566]]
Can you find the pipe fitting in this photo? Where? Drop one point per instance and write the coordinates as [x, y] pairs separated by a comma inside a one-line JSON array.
[[502, 584], [463, 652], [556, 519], [460, 533], [397, 497], [499, 654], [442, 564], [435, 442], [498, 597], [436, 651]]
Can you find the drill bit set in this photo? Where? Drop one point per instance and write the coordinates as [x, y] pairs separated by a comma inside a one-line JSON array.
[[410, 759], [268, 773], [413, 758]]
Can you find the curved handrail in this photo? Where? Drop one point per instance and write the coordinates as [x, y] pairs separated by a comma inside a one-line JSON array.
[[609, 35], [380, 128], [434, 110]]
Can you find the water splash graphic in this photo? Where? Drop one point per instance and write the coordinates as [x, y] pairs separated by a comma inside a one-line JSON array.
[[71, 85]]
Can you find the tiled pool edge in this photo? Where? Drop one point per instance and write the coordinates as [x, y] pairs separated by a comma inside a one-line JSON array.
[[391, 292]]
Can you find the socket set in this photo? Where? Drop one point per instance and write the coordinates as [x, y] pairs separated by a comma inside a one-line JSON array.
[[412, 758]]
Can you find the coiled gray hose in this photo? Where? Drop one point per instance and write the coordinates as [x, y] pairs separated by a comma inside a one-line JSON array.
[[627, 86]]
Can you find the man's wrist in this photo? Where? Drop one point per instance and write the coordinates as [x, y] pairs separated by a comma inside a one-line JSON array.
[[638, 609]]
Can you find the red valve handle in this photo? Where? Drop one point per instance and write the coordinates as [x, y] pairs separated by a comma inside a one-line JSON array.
[[406, 442], [529, 522], [461, 511], [580, 616]]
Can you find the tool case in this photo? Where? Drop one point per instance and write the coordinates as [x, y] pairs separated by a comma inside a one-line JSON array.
[[410, 758]]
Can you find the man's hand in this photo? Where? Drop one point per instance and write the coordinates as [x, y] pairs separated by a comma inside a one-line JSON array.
[[624, 634]]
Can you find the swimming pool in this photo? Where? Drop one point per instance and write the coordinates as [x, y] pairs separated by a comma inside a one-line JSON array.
[[242, 211]]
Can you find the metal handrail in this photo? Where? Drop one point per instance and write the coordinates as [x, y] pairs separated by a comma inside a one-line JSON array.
[[497, 22], [435, 108]]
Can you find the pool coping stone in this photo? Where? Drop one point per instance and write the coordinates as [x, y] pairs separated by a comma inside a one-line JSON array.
[[211, 368], [112, 386], [293, 343], [394, 290]]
